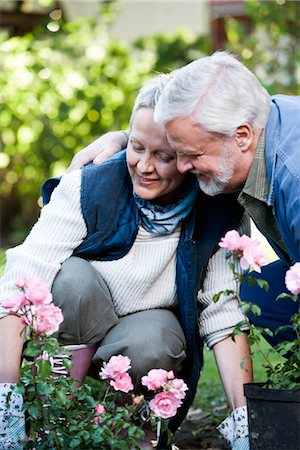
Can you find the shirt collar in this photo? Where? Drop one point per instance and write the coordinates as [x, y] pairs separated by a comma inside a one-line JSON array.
[[257, 184]]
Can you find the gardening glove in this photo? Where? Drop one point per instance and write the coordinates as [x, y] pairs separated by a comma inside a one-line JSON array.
[[12, 419], [235, 429], [240, 444]]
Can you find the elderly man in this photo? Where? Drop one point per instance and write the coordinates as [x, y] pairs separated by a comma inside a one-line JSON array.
[[236, 138], [227, 130]]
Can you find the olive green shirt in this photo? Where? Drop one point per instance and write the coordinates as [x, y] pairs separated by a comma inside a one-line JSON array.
[[254, 197]]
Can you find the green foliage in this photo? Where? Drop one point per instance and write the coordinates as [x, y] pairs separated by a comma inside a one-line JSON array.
[[67, 83], [269, 44], [176, 50], [283, 374], [61, 414], [60, 90]]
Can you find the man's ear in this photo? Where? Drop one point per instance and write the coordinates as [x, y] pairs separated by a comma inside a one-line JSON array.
[[244, 136]]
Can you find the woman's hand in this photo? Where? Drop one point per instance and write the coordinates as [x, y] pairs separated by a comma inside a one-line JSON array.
[[100, 150]]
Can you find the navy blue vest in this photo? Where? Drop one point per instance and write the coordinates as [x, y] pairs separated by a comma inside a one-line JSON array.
[[111, 216]]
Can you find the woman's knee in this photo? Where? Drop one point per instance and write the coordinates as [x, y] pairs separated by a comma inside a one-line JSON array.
[[85, 301], [75, 279], [78, 285], [151, 339]]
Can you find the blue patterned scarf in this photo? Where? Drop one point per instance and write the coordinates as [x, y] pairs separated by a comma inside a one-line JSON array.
[[164, 219]]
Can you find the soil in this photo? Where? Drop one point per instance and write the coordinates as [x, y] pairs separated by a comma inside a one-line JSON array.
[[198, 432]]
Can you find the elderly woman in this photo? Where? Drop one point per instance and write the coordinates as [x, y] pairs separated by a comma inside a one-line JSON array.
[[127, 252]]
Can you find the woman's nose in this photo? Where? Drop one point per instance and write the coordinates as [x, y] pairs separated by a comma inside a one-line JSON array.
[[145, 165]]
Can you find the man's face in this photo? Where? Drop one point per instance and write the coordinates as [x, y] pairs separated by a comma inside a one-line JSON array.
[[218, 162]]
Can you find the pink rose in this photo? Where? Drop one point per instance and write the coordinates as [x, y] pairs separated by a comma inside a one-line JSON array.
[[164, 404], [178, 387], [253, 256], [98, 410], [231, 240], [122, 382], [15, 303], [46, 318], [36, 291], [115, 366], [292, 279], [155, 379], [247, 250], [245, 241]]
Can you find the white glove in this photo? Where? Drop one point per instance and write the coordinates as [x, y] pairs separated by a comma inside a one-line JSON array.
[[12, 419], [235, 429]]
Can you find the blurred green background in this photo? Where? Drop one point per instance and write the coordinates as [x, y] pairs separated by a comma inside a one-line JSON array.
[[65, 84]]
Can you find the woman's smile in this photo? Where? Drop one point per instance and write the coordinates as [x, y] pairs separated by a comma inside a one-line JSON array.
[[142, 181]]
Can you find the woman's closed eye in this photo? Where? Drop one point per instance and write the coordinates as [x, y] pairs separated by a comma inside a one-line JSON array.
[[137, 148], [165, 157]]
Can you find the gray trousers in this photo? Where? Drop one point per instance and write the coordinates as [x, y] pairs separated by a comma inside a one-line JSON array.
[[151, 338]]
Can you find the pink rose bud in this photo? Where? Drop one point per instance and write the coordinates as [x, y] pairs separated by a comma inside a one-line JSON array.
[[138, 399], [98, 410]]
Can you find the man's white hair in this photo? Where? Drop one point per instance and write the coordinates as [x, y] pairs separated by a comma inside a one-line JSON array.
[[220, 94]]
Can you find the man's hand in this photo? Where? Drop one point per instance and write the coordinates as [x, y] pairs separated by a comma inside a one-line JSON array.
[[100, 150]]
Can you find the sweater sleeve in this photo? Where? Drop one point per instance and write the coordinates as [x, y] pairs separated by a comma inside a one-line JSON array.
[[59, 230], [217, 320]]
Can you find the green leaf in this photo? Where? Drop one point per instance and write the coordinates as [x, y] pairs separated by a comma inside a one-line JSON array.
[[263, 284], [286, 296], [217, 296], [33, 411], [44, 368]]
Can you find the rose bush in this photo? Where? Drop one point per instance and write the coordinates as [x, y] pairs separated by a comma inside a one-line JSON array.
[[62, 414], [247, 253]]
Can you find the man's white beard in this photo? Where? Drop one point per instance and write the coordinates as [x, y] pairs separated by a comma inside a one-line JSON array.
[[212, 187], [217, 184]]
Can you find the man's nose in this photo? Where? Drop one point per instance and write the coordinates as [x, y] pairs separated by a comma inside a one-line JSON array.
[[184, 164]]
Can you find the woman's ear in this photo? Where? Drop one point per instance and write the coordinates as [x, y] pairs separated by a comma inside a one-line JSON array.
[[244, 136]]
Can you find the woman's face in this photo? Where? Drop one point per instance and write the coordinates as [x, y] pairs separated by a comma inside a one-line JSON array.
[[151, 161]]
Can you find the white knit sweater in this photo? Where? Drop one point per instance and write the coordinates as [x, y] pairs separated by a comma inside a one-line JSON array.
[[143, 279]]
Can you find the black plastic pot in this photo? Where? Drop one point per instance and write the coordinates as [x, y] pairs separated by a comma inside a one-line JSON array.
[[274, 418]]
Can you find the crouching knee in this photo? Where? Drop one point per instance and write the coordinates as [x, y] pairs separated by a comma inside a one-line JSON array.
[[159, 345]]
